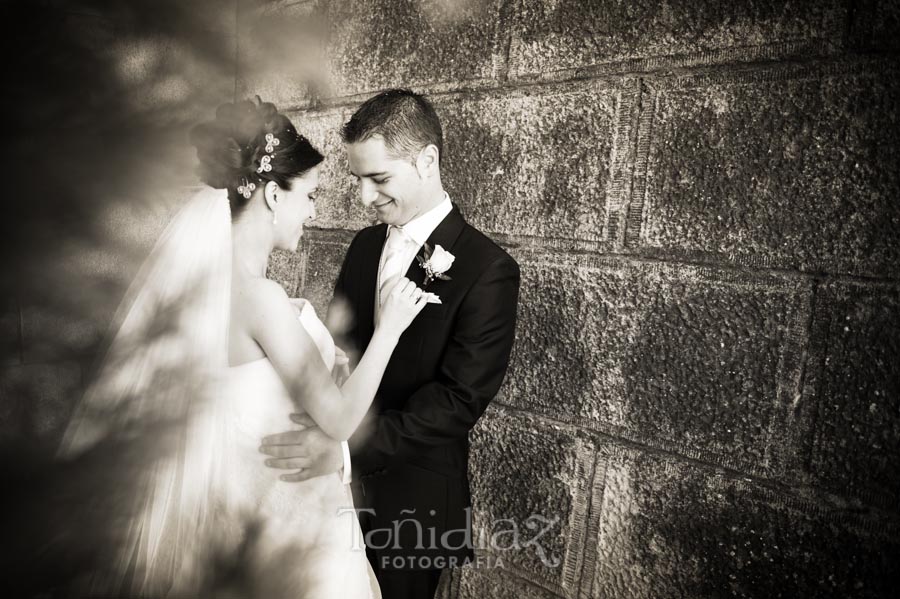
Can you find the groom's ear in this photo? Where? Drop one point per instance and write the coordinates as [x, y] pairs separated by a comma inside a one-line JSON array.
[[427, 161], [270, 193]]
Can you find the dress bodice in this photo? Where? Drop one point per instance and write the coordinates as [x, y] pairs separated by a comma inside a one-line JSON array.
[[259, 402], [312, 521]]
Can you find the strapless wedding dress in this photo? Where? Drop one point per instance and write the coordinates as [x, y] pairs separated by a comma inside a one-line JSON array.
[[308, 541]]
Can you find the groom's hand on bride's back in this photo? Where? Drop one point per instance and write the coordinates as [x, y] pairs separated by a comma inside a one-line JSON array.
[[308, 453]]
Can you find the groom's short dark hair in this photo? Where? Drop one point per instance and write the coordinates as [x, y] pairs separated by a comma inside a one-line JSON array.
[[406, 120]]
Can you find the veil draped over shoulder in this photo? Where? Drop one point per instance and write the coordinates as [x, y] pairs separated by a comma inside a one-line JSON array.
[[167, 353]]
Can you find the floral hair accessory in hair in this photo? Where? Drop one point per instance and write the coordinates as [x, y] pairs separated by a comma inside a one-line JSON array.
[[271, 142], [246, 188], [265, 162]]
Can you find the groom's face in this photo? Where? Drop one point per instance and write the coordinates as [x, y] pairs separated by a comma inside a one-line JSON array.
[[389, 185]]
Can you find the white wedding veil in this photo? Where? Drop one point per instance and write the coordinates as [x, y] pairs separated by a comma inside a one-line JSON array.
[[160, 373]]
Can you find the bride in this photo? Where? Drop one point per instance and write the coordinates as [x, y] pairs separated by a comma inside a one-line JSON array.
[[233, 359]]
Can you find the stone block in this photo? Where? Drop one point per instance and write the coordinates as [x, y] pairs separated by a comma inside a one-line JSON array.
[[696, 360], [854, 390], [338, 205], [567, 34], [379, 44], [531, 163], [670, 529], [783, 168], [876, 25], [476, 583], [531, 487], [286, 268], [325, 254]]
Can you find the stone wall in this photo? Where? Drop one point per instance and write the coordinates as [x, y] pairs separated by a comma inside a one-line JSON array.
[[704, 389], [704, 397]]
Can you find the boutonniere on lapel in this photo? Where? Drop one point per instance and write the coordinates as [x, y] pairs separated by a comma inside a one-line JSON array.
[[436, 263]]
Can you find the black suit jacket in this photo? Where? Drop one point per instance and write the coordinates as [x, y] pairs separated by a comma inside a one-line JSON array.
[[447, 366]]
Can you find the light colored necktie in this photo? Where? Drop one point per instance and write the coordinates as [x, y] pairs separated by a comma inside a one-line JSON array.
[[392, 268]]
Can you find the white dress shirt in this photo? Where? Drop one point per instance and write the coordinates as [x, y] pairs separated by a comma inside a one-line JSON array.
[[418, 230]]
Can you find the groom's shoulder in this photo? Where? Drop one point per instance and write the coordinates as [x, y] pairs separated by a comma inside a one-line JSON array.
[[483, 249], [372, 233]]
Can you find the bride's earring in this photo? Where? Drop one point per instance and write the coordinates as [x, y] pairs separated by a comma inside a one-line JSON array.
[[274, 218]]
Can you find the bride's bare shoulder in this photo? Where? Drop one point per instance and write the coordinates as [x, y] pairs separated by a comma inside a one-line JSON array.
[[259, 297], [259, 309], [261, 292]]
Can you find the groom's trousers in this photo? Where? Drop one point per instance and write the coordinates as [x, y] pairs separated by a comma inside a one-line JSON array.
[[408, 584], [402, 584]]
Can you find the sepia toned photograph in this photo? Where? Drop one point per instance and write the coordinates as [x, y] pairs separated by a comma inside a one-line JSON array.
[[450, 299]]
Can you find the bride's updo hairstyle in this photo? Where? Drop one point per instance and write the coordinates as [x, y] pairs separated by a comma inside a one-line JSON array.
[[233, 148]]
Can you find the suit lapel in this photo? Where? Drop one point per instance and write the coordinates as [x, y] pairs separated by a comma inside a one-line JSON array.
[[403, 366], [445, 235], [368, 280]]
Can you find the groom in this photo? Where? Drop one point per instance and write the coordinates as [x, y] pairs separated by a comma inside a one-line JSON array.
[[410, 460]]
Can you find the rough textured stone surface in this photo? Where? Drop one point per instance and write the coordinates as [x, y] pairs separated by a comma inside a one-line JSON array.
[[473, 583], [531, 163], [337, 205], [286, 268], [376, 44], [531, 485], [876, 25], [777, 170], [691, 358], [699, 391], [675, 530], [556, 35], [855, 390], [325, 254], [37, 399], [310, 273]]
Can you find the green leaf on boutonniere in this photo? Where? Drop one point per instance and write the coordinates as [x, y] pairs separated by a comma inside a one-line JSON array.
[[443, 277]]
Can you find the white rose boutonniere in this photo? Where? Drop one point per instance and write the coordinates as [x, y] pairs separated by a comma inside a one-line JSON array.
[[436, 263]]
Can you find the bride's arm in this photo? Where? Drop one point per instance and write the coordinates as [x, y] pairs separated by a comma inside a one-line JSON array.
[[337, 411]]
